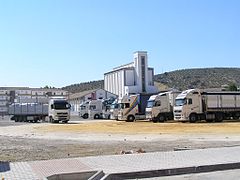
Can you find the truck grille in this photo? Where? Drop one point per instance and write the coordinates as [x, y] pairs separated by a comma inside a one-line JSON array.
[[62, 114], [177, 111]]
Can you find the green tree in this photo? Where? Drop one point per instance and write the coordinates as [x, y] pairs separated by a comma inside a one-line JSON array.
[[232, 87]]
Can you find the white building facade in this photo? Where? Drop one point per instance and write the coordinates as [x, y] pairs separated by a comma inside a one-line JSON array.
[[132, 78], [4, 101]]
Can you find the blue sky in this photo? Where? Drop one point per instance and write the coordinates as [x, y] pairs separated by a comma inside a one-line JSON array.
[[62, 42]]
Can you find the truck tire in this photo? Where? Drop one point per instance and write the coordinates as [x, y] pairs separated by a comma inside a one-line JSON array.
[[24, 118], [16, 119], [85, 116], [161, 118], [130, 118], [219, 117], [155, 120], [96, 116], [193, 118], [50, 119]]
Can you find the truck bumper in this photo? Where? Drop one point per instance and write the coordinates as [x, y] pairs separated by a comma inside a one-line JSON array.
[[180, 117]]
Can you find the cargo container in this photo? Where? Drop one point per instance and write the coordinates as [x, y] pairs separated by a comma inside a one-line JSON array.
[[194, 105]]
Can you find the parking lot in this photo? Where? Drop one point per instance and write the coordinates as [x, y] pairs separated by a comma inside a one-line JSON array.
[[79, 138]]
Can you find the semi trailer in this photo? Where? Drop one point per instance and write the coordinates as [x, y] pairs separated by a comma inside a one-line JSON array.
[[57, 109], [160, 106], [28, 112], [133, 107], [194, 105]]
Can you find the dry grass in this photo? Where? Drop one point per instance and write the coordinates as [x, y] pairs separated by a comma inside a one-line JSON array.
[[144, 128]]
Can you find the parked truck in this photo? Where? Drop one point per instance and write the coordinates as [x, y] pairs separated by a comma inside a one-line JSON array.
[[83, 110], [96, 109], [194, 105], [114, 110], [28, 112], [160, 106], [59, 110], [133, 107]]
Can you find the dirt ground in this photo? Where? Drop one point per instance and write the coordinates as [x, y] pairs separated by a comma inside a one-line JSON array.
[[27, 142]]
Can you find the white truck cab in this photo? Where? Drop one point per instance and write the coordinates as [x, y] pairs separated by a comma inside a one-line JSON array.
[[58, 110], [186, 103], [95, 109], [83, 110], [114, 110], [160, 107], [133, 107]]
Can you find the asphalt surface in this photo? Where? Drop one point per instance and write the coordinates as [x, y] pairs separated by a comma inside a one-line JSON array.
[[5, 121]]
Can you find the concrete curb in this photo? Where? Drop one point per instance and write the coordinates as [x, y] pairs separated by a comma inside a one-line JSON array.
[[90, 175], [171, 172]]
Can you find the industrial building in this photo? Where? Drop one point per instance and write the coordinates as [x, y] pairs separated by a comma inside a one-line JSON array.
[[9, 95], [135, 77], [77, 98]]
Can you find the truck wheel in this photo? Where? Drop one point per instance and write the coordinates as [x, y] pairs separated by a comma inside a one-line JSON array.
[[193, 118], [50, 119], [161, 118], [96, 116], [24, 118], [85, 116], [155, 120], [130, 118], [235, 117], [16, 119], [219, 117]]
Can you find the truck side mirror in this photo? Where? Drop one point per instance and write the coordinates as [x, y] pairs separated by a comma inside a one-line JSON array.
[[68, 106]]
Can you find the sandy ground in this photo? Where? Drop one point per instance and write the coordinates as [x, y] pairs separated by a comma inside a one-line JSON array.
[[28, 141]]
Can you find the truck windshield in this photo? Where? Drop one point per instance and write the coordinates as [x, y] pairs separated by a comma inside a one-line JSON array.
[[114, 106], [124, 105], [150, 104], [82, 107], [61, 105], [180, 102]]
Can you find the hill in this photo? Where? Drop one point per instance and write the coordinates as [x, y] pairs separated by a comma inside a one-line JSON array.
[[180, 79], [74, 88], [199, 78]]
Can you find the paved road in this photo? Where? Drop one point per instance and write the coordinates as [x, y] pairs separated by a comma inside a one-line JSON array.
[[5, 121]]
